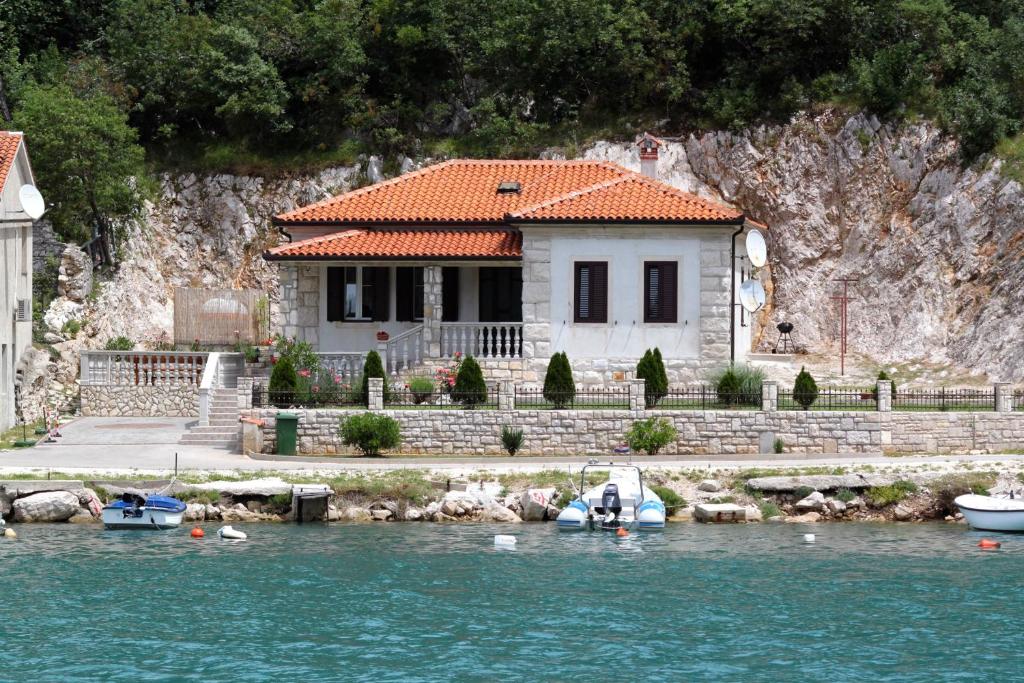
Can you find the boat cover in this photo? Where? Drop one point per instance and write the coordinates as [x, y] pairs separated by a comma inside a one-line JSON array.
[[155, 502]]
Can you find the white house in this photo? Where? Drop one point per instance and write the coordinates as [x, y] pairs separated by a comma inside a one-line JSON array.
[[511, 261], [16, 274]]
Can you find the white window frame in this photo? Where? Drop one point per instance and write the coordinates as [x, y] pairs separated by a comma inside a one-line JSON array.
[[359, 295]]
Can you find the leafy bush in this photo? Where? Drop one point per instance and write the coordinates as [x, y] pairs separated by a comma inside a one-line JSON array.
[[769, 509], [121, 343], [948, 487], [738, 385], [283, 381], [778, 446], [805, 389], [650, 435], [511, 439], [373, 367], [421, 388], [559, 387], [802, 492], [845, 495], [672, 500], [71, 327], [301, 353], [371, 433], [881, 496], [470, 388], [651, 369]]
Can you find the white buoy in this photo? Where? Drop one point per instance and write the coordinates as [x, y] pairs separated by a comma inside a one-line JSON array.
[[231, 534], [504, 541], [808, 538]]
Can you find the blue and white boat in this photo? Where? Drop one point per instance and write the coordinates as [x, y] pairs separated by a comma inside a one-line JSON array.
[[622, 502], [132, 511]]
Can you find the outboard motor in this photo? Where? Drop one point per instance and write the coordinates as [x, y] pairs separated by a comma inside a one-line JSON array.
[[612, 506]]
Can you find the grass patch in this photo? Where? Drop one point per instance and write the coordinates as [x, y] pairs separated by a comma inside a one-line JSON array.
[[948, 487], [801, 492], [1011, 151], [881, 496], [13, 434], [672, 500], [845, 495], [769, 509]]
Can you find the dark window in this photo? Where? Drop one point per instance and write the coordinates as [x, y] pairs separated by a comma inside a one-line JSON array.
[[500, 295], [590, 292], [660, 291], [409, 294], [449, 294], [335, 294], [355, 293]]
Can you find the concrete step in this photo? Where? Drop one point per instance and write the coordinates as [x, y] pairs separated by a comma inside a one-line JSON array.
[[226, 412], [221, 431], [224, 421]]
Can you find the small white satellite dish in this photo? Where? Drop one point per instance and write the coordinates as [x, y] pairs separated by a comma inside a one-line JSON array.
[[757, 250], [752, 295], [31, 201]]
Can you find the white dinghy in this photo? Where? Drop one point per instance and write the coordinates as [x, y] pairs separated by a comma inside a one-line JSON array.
[[622, 502], [992, 513]]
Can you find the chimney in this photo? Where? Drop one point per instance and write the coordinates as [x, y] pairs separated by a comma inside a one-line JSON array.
[[648, 145]]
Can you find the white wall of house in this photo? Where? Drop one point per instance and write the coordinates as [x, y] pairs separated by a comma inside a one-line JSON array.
[[15, 281]]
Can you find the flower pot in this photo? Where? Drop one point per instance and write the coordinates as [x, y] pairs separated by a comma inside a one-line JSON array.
[[383, 336]]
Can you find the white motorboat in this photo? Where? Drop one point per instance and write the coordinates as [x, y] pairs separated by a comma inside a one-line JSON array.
[[138, 512], [622, 502], [992, 513]]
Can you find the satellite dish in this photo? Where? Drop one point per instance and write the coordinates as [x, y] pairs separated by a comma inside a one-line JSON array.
[[752, 295], [31, 201], [757, 250]]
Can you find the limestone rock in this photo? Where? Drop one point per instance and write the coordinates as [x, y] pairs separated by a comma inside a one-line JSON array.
[[807, 517], [815, 502], [74, 279], [356, 514], [902, 513], [194, 512], [413, 514], [270, 486], [238, 513], [836, 507], [49, 506], [60, 312], [381, 515], [333, 514], [710, 485], [535, 503], [499, 513], [753, 513], [83, 516], [211, 513], [5, 504]]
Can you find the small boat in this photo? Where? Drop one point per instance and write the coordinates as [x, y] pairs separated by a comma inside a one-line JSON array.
[[992, 513], [231, 533], [622, 502], [132, 511]]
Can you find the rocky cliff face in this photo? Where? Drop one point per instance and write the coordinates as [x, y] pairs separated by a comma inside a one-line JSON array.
[[937, 248]]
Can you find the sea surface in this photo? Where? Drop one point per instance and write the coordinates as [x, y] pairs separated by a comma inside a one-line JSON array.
[[427, 602]]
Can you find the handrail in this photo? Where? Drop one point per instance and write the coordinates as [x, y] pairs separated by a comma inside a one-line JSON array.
[[141, 368], [404, 350], [211, 379]]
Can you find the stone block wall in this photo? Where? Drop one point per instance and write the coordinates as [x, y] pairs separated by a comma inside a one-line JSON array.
[[300, 302], [140, 401]]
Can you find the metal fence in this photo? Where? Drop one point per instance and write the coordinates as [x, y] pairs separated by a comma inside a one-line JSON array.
[[220, 316], [1018, 400], [262, 397], [582, 399], [704, 397], [438, 400], [832, 399], [944, 399]]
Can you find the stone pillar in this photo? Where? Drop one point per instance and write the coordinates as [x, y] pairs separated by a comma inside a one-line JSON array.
[[637, 391], [432, 311], [382, 351], [770, 396], [506, 395], [245, 393], [1004, 397], [537, 294], [376, 394], [884, 388]]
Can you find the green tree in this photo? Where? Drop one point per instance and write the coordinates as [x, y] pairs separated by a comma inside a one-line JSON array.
[[559, 387], [729, 387], [651, 369], [373, 367], [470, 388], [805, 389], [283, 380], [85, 157], [371, 433]]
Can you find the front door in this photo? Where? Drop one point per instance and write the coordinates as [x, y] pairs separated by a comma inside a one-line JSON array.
[[501, 295]]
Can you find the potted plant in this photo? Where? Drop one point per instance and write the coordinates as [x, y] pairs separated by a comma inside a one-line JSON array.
[[383, 336]]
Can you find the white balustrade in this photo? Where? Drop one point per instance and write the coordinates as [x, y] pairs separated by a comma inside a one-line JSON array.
[[346, 366], [404, 350], [142, 368], [482, 340]]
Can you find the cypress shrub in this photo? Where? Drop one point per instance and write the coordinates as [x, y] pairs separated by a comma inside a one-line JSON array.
[[805, 389], [373, 367], [728, 387], [882, 376], [559, 387], [283, 380], [647, 371], [657, 386], [470, 388]]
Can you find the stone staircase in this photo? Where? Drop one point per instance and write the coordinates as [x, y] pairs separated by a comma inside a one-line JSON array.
[[224, 430]]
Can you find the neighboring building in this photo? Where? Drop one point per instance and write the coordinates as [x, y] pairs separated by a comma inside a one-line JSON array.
[[16, 272], [511, 261]]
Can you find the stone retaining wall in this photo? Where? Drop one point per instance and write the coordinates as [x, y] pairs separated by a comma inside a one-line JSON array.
[[582, 432], [140, 401]]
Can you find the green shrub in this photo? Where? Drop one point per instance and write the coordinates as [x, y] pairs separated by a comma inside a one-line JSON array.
[[283, 380], [882, 376], [651, 369], [881, 496], [371, 433], [650, 435], [470, 388], [769, 509], [559, 387], [672, 500], [373, 367], [511, 439], [727, 387], [71, 327], [738, 385], [948, 487], [121, 343], [421, 388], [802, 492], [778, 446], [805, 389], [845, 495]]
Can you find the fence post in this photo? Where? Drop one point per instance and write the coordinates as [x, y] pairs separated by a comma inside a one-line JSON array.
[[884, 389], [382, 351], [506, 395], [637, 392], [1004, 397], [376, 397], [245, 393], [769, 396]]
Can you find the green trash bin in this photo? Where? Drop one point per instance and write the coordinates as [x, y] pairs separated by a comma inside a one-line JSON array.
[[287, 427]]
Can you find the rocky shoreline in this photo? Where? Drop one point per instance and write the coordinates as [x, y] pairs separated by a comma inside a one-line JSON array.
[[700, 495]]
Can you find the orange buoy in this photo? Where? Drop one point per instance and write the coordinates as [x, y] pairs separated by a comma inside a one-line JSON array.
[[621, 533], [198, 533], [989, 544]]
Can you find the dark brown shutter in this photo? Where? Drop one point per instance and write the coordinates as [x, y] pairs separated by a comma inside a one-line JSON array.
[[404, 282], [381, 292], [449, 295], [590, 292], [335, 293], [660, 291], [670, 291]]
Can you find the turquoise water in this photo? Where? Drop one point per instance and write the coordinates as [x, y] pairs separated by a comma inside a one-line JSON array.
[[424, 602]]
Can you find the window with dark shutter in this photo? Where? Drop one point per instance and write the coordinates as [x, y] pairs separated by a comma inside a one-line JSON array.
[[660, 288], [590, 292], [335, 293], [381, 294], [449, 295]]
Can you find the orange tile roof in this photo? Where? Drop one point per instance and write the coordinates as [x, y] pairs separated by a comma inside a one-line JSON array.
[[405, 244], [464, 191], [9, 142]]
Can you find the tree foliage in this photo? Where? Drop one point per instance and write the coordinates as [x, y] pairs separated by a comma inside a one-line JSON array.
[[283, 381], [651, 369], [559, 386], [805, 389], [373, 367], [470, 388]]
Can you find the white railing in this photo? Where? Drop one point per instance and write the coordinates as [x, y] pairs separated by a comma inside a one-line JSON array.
[[346, 366], [211, 380], [404, 350], [482, 340], [142, 368]]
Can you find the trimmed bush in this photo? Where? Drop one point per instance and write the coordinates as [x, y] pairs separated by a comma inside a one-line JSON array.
[[651, 369], [470, 388], [728, 387], [120, 344], [421, 389], [371, 433], [805, 389], [373, 367], [559, 387], [283, 380], [672, 500], [650, 435], [511, 439]]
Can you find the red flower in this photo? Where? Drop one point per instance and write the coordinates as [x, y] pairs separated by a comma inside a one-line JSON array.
[[304, 373]]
